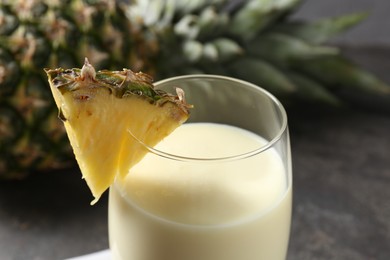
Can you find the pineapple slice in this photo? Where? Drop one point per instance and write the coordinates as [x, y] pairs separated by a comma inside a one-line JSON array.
[[103, 111]]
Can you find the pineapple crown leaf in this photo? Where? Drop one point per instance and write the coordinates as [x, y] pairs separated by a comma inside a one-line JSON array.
[[283, 49], [257, 70], [344, 72], [322, 30], [256, 15]]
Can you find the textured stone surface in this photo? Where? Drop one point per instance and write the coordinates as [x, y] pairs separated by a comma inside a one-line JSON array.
[[49, 217], [341, 182]]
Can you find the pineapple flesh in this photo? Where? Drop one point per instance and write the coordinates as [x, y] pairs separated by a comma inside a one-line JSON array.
[[110, 116]]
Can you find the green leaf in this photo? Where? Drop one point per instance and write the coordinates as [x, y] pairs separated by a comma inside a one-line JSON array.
[[211, 23], [262, 74], [153, 11], [256, 15], [312, 91], [210, 52], [320, 31], [284, 49], [193, 50], [226, 48], [187, 27], [191, 6], [339, 72]]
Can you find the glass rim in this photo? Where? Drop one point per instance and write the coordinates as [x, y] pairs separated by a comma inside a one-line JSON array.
[[248, 154]]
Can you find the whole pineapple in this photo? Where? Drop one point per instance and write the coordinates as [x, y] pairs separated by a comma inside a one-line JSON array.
[[253, 40]]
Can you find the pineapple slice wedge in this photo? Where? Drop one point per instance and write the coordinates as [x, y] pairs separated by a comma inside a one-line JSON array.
[[103, 111]]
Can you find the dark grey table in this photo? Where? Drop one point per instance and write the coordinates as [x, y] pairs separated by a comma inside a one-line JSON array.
[[341, 162]]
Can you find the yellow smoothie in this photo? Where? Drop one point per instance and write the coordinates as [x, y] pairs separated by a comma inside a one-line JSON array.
[[169, 209]]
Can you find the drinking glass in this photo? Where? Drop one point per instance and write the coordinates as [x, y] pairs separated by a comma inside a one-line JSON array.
[[234, 207]]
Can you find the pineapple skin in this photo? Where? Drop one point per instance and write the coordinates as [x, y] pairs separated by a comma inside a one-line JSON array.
[[49, 34], [251, 40]]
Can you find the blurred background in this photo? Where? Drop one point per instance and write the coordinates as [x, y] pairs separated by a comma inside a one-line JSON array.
[[340, 161]]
